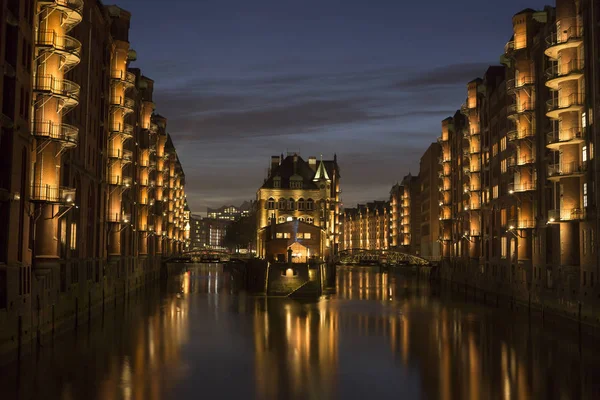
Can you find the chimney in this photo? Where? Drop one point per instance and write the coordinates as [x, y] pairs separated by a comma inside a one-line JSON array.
[[275, 160], [312, 162]]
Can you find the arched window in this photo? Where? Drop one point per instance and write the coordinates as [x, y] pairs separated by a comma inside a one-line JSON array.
[[281, 219], [310, 204], [310, 220], [291, 204], [302, 219], [301, 204], [271, 203], [282, 204]]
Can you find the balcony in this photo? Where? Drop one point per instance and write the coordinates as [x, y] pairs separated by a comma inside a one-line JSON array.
[[562, 215], [521, 187], [64, 89], [127, 181], [524, 82], [572, 70], [124, 77], [521, 224], [115, 154], [65, 134], [52, 194], [125, 104], [566, 170], [153, 127], [557, 138], [509, 47], [119, 218], [125, 130], [557, 41], [127, 156], [67, 47], [152, 165], [515, 110], [559, 105], [515, 134], [72, 11], [526, 160], [115, 180]]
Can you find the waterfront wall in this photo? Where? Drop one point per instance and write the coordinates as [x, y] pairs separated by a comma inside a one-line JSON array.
[[559, 300], [63, 306]]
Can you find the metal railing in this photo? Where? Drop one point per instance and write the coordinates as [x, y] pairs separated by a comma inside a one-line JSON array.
[[524, 106], [564, 36], [52, 193], [521, 224], [122, 128], [563, 214], [574, 99], [522, 81], [59, 87], [115, 153], [65, 133], [519, 134], [563, 135], [123, 76], [127, 155], [62, 43], [568, 168], [575, 65], [521, 187]]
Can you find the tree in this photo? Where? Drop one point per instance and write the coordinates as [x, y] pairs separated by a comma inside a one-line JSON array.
[[241, 234]]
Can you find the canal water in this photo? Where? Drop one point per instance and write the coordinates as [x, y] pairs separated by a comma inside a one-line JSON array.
[[382, 336]]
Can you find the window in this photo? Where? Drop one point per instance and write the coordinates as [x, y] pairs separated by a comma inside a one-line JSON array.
[[291, 204], [503, 219], [310, 204], [583, 120], [584, 153], [503, 144], [300, 235], [503, 245], [584, 240], [279, 235], [585, 195], [277, 182], [307, 235], [286, 235], [310, 220], [271, 204], [281, 220], [73, 242], [495, 193], [503, 165], [494, 149], [282, 204], [301, 204]]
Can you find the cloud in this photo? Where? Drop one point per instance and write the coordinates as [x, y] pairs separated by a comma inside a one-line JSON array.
[[453, 74]]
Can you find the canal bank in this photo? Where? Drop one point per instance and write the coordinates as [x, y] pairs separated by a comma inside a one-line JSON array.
[[61, 306], [578, 310]]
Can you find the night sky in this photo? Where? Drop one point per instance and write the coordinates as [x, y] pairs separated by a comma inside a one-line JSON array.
[[242, 80]]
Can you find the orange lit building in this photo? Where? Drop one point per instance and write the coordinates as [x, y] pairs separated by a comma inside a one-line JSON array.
[[517, 188], [91, 188], [367, 226]]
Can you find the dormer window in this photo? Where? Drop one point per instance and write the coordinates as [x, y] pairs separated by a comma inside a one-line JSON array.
[[296, 182], [277, 182]]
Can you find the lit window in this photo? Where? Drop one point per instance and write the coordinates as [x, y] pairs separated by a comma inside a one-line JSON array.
[[310, 220], [503, 144], [73, 244], [585, 195], [271, 204], [307, 235], [291, 204], [584, 153], [583, 120], [279, 235], [495, 194], [494, 149], [300, 235], [286, 235], [503, 244], [281, 220], [503, 165]]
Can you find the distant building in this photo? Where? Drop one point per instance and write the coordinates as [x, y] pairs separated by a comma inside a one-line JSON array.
[[307, 191], [405, 198], [229, 212], [367, 226], [306, 241], [208, 233]]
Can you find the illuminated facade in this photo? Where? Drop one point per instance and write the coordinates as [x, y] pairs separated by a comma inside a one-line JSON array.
[[308, 191], [517, 188], [92, 190], [429, 205], [367, 226], [405, 221]]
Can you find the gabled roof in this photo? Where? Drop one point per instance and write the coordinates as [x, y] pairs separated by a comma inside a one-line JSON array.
[[286, 170]]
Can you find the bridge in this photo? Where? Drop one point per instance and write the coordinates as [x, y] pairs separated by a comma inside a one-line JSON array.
[[208, 255], [389, 257]]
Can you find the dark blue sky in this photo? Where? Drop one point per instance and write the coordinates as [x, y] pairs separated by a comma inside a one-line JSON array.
[[242, 80]]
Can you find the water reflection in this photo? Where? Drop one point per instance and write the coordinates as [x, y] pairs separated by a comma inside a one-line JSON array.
[[382, 336]]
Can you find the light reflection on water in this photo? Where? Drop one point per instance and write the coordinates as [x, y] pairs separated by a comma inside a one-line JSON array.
[[383, 335]]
